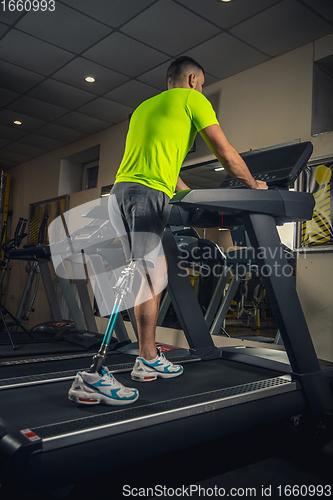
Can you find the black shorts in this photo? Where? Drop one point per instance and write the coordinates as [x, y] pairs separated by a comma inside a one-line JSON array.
[[139, 215]]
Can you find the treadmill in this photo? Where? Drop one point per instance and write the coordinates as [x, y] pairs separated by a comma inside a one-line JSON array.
[[47, 441]]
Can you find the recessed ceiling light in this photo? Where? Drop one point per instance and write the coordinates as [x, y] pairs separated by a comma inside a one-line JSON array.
[[226, 0], [90, 79], [17, 122]]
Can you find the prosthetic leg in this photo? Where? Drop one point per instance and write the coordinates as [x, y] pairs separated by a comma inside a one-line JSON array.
[[122, 288]]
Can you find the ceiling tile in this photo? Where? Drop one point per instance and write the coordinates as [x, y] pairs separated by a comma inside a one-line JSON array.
[[18, 79], [82, 123], [24, 149], [77, 33], [323, 7], [13, 157], [111, 13], [31, 53], [132, 93], [9, 17], [172, 29], [10, 134], [297, 24], [41, 142], [326, 64], [157, 76], [37, 109], [233, 56], [121, 53], [61, 134], [3, 143], [61, 94], [105, 110], [29, 124], [210, 79], [75, 71], [227, 14], [6, 165], [3, 29], [7, 96]]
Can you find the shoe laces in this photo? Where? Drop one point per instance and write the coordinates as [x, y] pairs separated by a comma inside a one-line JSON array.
[[165, 360], [112, 380], [106, 375]]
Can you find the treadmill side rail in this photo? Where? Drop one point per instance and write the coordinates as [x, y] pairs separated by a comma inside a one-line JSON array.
[[156, 413]]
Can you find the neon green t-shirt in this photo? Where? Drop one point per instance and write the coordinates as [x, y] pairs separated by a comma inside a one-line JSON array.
[[161, 132]]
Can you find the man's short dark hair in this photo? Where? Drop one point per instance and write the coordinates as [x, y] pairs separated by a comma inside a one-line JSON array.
[[179, 67]]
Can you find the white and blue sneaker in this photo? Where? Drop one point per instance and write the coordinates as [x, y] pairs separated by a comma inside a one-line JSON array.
[[143, 371], [100, 387]]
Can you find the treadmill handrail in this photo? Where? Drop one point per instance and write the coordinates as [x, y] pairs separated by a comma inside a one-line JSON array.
[[278, 203]]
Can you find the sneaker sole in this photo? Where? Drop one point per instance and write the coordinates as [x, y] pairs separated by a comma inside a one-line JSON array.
[[152, 377], [99, 399]]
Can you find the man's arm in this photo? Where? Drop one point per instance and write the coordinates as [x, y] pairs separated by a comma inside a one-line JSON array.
[[180, 185], [228, 157]]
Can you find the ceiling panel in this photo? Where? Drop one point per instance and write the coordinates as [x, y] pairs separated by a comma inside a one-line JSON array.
[[132, 93], [3, 29], [7, 96], [74, 73], [224, 55], [29, 123], [10, 134], [37, 109], [41, 142], [157, 76], [209, 79], [323, 7], [31, 53], [24, 149], [6, 165], [226, 14], [169, 28], [61, 94], [10, 17], [326, 64], [18, 79], [78, 32], [3, 143], [108, 111], [123, 54], [82, 123], [13, 157], [59, 133], [297, 24], [112, 13]]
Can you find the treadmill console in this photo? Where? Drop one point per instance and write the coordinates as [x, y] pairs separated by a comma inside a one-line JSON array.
[[277, 167]]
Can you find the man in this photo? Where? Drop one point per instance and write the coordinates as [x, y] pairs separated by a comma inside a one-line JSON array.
[[161, 132]]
